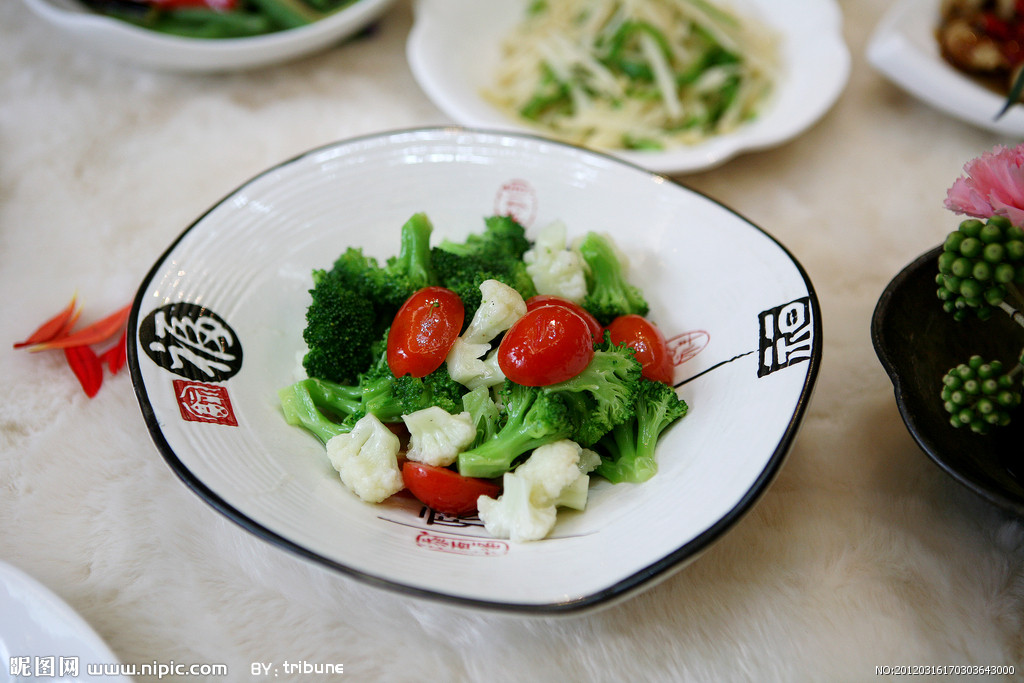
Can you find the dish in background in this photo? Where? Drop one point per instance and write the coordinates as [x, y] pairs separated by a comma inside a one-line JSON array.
[[244, 270], [150, 49], [904, 49], [814, 70], [35, 623], [917, 344]]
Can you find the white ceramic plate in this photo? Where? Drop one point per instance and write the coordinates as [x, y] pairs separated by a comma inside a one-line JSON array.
[[815, 68], [146, 48], [217, 324], [41, 637], [904, 49]]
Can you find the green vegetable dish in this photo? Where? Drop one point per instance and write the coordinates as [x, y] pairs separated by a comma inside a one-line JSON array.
[[218, 18], [635, 74], [493, 376]]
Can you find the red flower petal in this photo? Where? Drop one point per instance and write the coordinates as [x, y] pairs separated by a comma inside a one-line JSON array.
[[87, 368], [93, 334], [117, 355], [54, 328]]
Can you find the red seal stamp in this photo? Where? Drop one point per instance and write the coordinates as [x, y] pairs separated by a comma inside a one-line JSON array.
[[685, 346], [478, 547], [201, 402], [518, 200]]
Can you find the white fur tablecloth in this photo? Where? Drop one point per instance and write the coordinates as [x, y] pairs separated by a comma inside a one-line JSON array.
[[862, 553]]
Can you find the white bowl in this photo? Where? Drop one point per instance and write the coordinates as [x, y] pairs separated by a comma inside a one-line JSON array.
[[230, 296], [151, 49], [38, 629], [904, 49], [815, 68]]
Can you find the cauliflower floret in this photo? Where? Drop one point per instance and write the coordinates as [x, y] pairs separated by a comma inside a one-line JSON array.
[[436, 437], [367, 459], [514, 514], [575, 494], [500, 306], [556, 269], [555, 474], [468, 367]]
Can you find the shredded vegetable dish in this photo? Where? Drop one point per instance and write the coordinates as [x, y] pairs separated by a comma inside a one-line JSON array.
[[635, 74]]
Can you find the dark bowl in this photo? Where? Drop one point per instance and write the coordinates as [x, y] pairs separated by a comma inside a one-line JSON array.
[[917, 343]]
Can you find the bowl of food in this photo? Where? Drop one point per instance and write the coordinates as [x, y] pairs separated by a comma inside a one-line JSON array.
[[917, 345], [905, 47], [207, 36], [246, 394], [673, 86]]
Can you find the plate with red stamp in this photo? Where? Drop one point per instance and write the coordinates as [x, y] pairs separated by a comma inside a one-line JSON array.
[[216, 331]]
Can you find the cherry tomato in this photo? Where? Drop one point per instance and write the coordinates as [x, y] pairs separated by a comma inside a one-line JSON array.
[[549, 344], [641, 335], [445, 490], [596, 330], [424, 330]]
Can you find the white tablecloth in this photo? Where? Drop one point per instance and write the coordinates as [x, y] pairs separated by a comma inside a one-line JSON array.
[[862, 553]]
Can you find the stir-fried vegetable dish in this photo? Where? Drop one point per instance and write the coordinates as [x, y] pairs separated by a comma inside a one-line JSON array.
[[218, 18], [492, 376]]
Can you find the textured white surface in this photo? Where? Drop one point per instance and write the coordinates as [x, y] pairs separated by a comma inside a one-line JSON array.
[[862, 553]]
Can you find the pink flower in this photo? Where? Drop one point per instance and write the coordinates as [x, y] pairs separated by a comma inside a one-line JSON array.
[[994, 185]]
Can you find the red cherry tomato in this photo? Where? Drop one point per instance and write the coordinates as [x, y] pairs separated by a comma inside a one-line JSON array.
[[445, 490], [596, 330], [549, 344], [424, 330], [641, 335]]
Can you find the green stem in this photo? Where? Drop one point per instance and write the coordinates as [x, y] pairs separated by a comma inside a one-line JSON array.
[[1014, 314], [289, 13], [1013, 96]]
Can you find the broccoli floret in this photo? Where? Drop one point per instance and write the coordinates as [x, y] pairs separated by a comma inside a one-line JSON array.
[[319, 406], [389, 397], [604, 394], [503, 237], [341, 324], [325, 407], [483, 411], [436, 389], [463, 275], [583, 409], [495, 254], [609, 295], [354, 301], [412, 269], [532, 418], [628, 449]]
